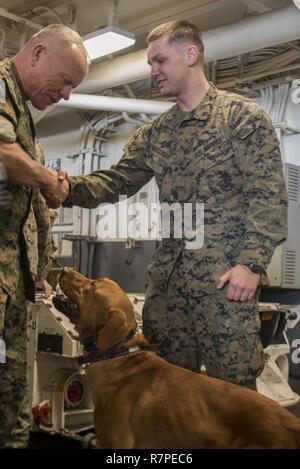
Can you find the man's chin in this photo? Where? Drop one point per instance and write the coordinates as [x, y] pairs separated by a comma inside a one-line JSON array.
[[166, 93], [41, 105]]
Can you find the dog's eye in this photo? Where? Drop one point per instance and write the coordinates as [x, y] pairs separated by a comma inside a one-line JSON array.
[[93, 286]]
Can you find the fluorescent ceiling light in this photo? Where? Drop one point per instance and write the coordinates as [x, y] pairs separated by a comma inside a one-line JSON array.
[[106, 41], [297, 3]]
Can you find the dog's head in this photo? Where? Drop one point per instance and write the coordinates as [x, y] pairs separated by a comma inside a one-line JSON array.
[[96, 306], [52, 277]]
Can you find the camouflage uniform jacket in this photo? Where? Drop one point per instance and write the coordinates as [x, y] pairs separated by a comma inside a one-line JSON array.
[[17, 249], [37, 230], [224, 154]]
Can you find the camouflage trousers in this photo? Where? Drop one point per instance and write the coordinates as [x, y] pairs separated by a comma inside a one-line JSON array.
[[207, 330], [14, 406]]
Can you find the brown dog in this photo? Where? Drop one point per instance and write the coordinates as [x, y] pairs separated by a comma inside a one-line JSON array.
[[142, 401]]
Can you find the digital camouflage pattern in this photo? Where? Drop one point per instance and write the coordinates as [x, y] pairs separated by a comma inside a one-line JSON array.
[[4, 193], [224, 154], [52, 255], [37, 230], [24, 232], [37, 234], [14, 428], [13, 249], [203, 330]]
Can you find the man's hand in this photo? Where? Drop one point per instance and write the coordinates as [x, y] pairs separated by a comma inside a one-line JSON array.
[[22, 170], [45, 287], [242, 283], [57, 192]]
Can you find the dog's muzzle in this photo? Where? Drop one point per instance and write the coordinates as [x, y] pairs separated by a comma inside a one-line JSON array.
[[66, 306]]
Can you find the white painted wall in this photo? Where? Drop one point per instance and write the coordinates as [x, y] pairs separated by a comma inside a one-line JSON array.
[[62, 139], [291, 143], [60, 135]]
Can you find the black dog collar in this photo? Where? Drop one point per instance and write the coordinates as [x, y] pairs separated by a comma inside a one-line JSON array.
[[94, 354]]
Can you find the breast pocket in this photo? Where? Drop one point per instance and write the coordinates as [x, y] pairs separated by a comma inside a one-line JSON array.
[[159, 159], [214, 170], [215, 152]]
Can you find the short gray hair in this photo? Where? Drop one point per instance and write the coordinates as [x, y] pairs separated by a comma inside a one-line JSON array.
[[63, 33]]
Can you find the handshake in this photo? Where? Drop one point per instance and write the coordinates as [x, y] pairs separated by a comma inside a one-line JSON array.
[[58, 188]]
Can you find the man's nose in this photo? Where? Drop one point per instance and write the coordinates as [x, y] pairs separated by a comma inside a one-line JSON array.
[[65, 92], [154, 71]]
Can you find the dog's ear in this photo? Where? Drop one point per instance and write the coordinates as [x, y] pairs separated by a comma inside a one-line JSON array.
[[114, 330]]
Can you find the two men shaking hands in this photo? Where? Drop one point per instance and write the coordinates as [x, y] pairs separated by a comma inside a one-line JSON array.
[[22, 170]]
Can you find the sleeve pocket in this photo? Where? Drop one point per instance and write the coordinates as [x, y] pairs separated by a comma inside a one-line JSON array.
[[246, 128]]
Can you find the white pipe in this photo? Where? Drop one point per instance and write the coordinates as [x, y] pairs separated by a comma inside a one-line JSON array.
[[264, 30], [125, 69], [115, 104], [129, 119]]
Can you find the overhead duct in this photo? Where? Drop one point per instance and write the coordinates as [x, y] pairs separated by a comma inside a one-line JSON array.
[[20, 19], [115, 104], [264, 30], [235, 39]]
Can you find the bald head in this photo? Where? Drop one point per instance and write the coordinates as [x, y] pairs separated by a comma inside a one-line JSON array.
[[51, 64]]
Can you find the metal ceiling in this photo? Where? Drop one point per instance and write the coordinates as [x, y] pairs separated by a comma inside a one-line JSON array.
[[140, 17]]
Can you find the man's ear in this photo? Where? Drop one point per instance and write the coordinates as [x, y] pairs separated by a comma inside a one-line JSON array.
[[37, 53], [192, 55]]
